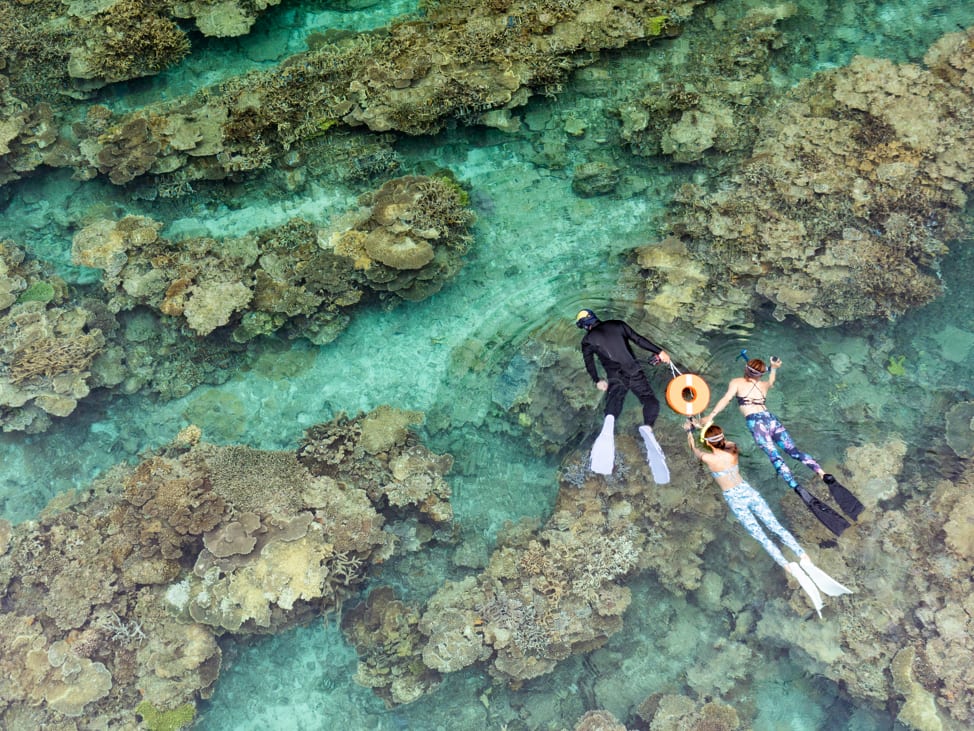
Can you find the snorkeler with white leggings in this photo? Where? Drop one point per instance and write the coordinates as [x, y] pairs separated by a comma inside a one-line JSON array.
[[749, 508]]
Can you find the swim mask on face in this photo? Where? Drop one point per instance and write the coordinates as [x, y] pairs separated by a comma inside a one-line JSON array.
[[586, 319]]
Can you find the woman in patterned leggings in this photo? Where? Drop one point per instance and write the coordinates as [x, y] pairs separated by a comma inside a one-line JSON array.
[[750, 508], [768, 432]]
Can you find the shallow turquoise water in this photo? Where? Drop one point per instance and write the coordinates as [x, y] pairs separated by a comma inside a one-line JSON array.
[[540, 254]]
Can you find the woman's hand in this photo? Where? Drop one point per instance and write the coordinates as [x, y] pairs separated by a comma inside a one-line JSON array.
[[602, 385]]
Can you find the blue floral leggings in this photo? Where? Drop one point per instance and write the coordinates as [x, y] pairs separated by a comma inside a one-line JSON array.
[[748, 506], [769, 434]]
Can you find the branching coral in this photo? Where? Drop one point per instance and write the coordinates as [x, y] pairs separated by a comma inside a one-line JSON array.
[[47, 357], [51, 47], [135, 43]]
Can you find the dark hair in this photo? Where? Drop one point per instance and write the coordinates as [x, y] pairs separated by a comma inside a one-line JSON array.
[[755, 368], [714, 436]]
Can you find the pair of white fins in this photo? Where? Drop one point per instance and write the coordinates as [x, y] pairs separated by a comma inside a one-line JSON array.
[[813, 580], [604, 452]]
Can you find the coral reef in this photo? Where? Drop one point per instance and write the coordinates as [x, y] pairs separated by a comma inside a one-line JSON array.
[[681, 713], [599, 721], [53, 52], [909, 640], [844, 208], [708, 106], [84, 45], [919, 710], [900, 642], [134, 339], [873, 469], [595, 178], [404, 241], [551, 593], [156, 720], [463, 60], [113, 599], [403, 475], [28, 136], [387, 639], [960, 428], [47, 347]]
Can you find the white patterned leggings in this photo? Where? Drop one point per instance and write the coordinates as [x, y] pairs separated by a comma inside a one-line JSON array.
[[747, 504]]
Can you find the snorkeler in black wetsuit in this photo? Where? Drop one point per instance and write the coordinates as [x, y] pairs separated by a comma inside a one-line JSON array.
[[612, 342]]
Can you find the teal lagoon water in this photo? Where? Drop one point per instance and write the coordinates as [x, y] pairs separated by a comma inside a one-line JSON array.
[[540, 253]]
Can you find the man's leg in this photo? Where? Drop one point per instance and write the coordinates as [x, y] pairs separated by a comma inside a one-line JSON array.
[[644, 392], [655, 458], [602, 458], [615, 396]]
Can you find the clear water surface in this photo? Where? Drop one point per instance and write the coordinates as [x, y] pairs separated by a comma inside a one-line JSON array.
[[540, 254]]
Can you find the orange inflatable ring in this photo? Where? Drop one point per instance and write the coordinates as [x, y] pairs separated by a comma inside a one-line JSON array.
[[688, 394]]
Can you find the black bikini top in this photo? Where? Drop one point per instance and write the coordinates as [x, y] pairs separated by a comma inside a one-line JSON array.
[[746, 399]]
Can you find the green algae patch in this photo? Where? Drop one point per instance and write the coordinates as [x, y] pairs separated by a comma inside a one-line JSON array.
[[158, 720], [896, 365], [656, 25], [39, 291]]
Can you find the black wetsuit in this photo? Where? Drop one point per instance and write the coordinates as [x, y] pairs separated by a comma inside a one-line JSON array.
[[610, 340]]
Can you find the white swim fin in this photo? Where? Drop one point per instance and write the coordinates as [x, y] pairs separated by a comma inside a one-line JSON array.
[[604, 449], [654, 456], [822, 580], [808, 585]]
